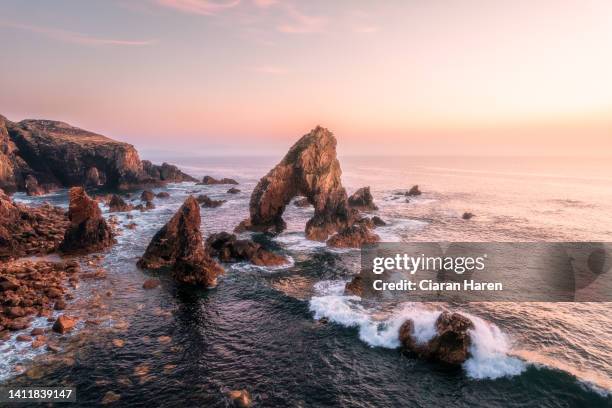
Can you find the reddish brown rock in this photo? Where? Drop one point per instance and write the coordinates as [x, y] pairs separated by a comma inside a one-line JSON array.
[[151, 284], [39, 156], [117, 204], [28, 230], [162, 194], [355, 286], [228, 248], [178, 245], [88, 231], [147, 196], [414, 191], [450, 344], [362, 200], [353, 236], [309, 169], [208, 180], [64, 324], [208, 202], [240, 398]]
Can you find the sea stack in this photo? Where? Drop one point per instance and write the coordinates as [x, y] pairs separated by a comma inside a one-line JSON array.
[[178, 245], [88, 231], [362, 200], [310, 169]]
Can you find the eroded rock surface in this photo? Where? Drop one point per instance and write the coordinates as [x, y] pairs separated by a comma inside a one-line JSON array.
[[88, 230], [450, 344], [228, 248], [39, 156], [178, 245], [362, 200], [26, 230], [309, 169]]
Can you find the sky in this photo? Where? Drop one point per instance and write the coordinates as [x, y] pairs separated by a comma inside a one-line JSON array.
[[249, 77]]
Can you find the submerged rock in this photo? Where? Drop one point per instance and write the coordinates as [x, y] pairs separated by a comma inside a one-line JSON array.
[[449, 345], [208, 180], [178, 245], [228, 248], [208, 202], [162, 194], [88, 231], [117, 204], [378, 222], [467, 216], [362, 200], [309, 169], [353, 236], [233, 190], [240, 398], [147, 196]]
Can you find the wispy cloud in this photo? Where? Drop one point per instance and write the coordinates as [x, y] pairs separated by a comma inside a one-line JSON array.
[[270, 70], [365, 29], [76, 38], [201, 7], [301, 23], [265, 3]]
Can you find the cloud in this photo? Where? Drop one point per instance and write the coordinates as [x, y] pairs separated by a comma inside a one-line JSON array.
[[201, 7], [270, 70], [264, 3], [76, 38], [365, 29], [301, 23]]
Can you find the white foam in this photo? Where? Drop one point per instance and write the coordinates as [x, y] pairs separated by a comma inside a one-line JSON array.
[[297, 241], [489, 349]]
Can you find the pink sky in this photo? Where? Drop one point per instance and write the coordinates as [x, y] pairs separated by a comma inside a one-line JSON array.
[[250, 76]]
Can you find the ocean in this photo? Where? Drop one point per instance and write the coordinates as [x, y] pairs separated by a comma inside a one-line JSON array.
[[262, 329]]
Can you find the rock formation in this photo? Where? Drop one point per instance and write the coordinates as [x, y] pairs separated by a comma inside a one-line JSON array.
[[233, 190], [162, 194], [467, 216], [414, 191], [450, 344], [301, 202], [178, 245], [354, 236], [310, 169], [147, 196], [29, 230], [117, 204], [362, 200], [208, 202], [208, 180], [228, 248], [88, 231], [39, 156]]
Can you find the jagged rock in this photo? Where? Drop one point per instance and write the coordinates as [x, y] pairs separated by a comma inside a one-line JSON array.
[[88, 231], [147, 196], [233, 190], [353, 236], [362, 200], [228, 248], [117, 204], [28, 230], [64, 324], [467, 216], [162, 194], [414, 191], [450, 344], [167, 173], [208, 180], [178, 245], [301, 202], [309, 169], [208, 202], [56, 155]]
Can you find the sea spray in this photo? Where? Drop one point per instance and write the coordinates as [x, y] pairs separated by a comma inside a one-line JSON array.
[[488, 353]]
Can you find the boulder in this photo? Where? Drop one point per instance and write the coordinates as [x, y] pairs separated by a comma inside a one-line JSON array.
[[38, 156], [64, 324], [151, 284], [162, 194], [88, 231], [467, 216], [301, 202], [233, 190], [449, 345], [378, 222], [208, 180], [208, 202], [228, 248], [147, 196], [117, 204], [362, 200], [178, 245], [309, 169], [355, 286], [414, 191], [240, 398]]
